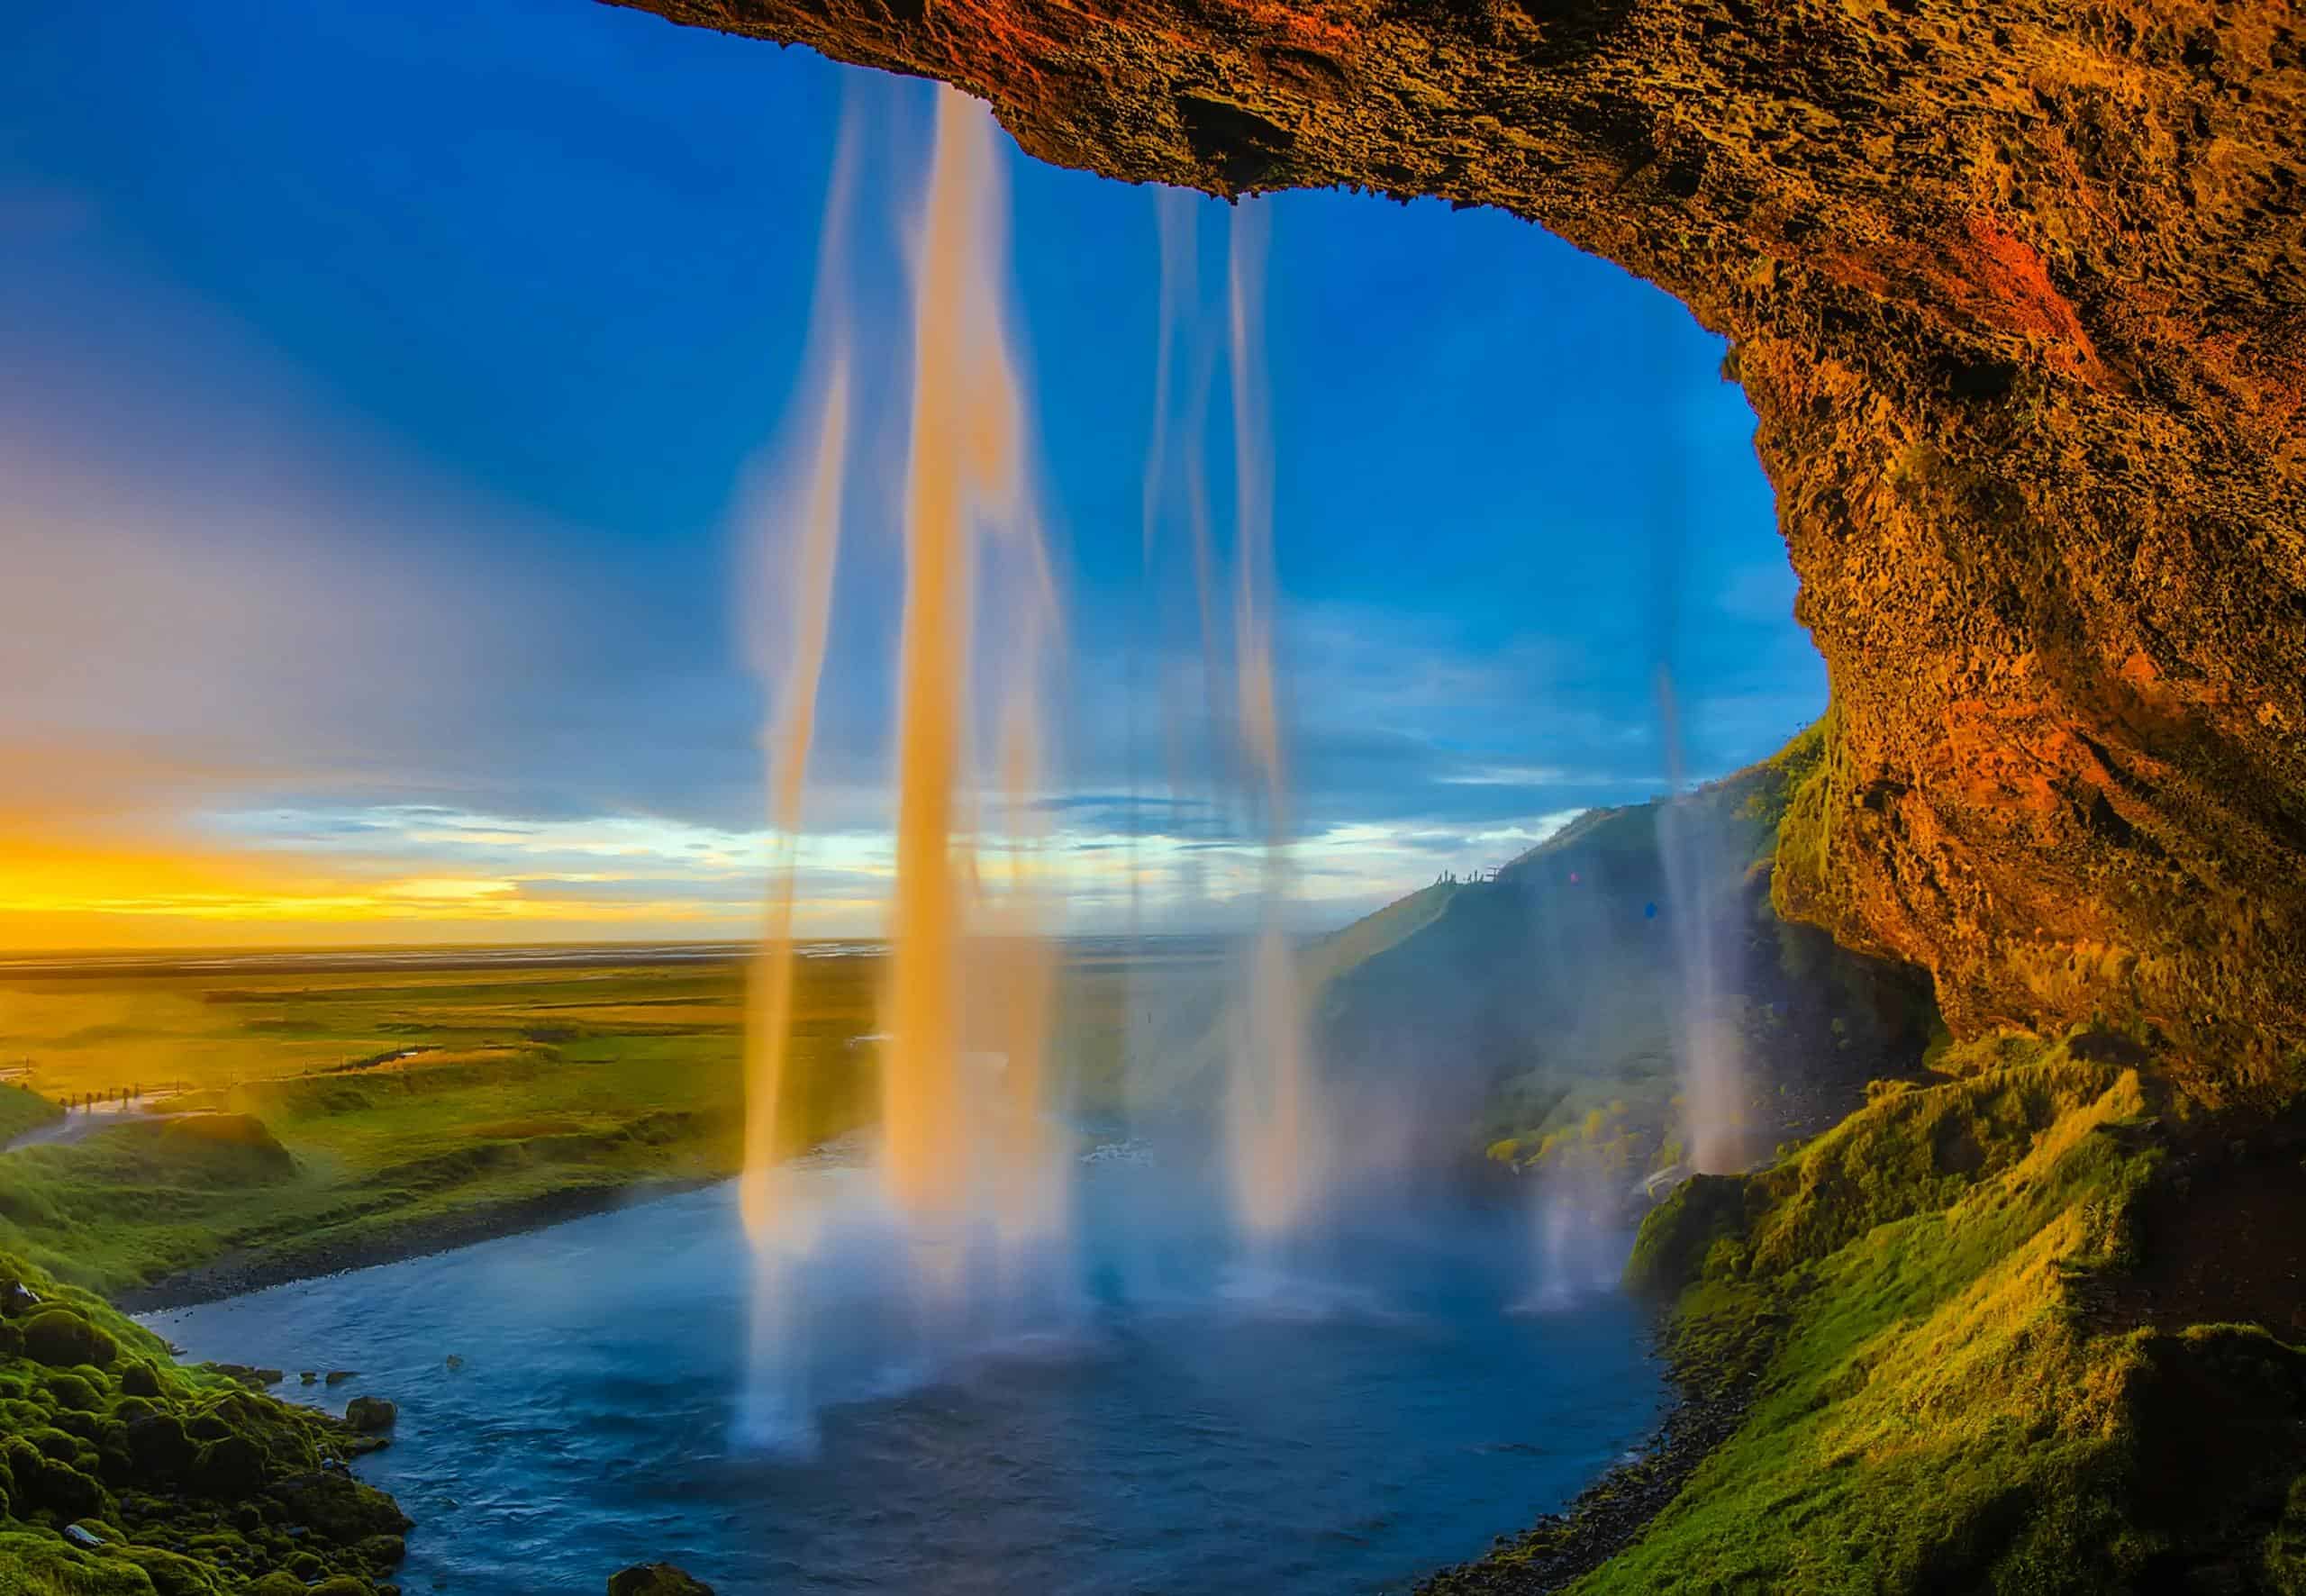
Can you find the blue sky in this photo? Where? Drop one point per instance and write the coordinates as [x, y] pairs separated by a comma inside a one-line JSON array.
[[390, 389]]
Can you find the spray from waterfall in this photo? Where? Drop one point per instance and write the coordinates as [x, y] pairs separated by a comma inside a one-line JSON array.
[[971, 1193], [1693, 850], [1694, 853], [769, 1134], [1275, 1149]]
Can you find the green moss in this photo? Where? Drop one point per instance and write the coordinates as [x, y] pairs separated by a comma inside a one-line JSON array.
[[60, 1337], [38, 1562], [1946, 1396], [1677, 1235], [171, 1480]]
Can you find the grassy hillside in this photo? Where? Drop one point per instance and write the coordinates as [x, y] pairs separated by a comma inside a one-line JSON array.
[[1547, 1006], [2012, 1332]]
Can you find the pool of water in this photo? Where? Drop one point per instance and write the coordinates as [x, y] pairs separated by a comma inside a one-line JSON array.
[[1382, 1407]]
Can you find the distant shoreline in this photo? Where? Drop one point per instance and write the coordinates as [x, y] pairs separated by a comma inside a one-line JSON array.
[[238, 1274], [561, 955]]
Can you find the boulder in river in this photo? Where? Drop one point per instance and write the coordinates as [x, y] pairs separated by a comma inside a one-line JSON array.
[[369, 1414], [656, 1579]]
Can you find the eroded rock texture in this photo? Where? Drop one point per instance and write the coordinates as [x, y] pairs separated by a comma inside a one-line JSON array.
[[2019, 293]]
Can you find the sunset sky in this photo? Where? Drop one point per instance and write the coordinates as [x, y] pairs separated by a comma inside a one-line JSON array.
[[394, 395]]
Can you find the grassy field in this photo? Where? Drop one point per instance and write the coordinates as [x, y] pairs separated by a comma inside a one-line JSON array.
[[346, 1113], [349, 1107]]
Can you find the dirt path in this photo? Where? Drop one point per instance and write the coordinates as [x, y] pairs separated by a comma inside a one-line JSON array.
[[81, 1123]]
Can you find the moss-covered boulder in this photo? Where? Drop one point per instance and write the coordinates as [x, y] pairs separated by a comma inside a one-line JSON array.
[[58, 1337], [369, 1415], [656, 1579], [74, 1391], [231, 1467], [159, 1447], [40, 1563], [339, 1508], [172, 1573]]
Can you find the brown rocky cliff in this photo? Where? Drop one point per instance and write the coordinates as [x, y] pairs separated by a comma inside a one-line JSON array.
[[2019, 293]]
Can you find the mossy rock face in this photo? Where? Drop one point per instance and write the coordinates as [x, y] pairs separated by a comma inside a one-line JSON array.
[[232, 1466], [38, 1562], [60, 1338], [56, 1445], [171, 1575], [62, 1490], [1680, 1231], [381, 1554], [140, 1379], [278, 1584], [339, 1507], [343, 1584], [159, 1446], [656, 1579], [74, 1391]]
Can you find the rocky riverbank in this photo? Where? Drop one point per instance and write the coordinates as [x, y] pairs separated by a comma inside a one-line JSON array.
[[1610, 1514]]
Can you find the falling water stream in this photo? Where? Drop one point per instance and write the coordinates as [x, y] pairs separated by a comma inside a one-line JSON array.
[[976, 1357]]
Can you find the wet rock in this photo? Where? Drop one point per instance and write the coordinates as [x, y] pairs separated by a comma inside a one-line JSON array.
[[656, 1579], [254, 1378], [81, 1536], [307, 1377], [452, 1363], [338, 1376], [16, 1298], [369, 1415]]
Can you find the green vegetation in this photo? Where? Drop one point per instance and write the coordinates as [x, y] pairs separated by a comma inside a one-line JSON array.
[[180, 1481], [346, 1115], [1552, 998], [1966, 1367]]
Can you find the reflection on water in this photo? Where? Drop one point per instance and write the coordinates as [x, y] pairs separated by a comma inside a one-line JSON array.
[[1377, 1411]]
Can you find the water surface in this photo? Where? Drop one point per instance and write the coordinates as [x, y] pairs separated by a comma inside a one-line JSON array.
[[1346, 1425]]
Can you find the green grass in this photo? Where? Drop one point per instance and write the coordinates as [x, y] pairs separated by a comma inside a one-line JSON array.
[[404, 1104], [396, 1102], [1941, 1401], [21, 1109]]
